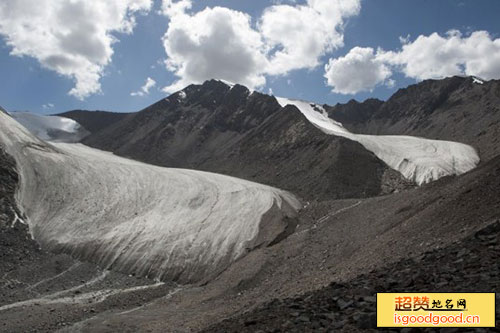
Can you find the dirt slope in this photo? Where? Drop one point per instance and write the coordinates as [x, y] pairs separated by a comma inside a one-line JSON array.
[[470, 265]]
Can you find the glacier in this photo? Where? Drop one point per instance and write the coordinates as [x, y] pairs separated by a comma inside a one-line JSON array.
[[163, 223], [417, 159], [51, 128]]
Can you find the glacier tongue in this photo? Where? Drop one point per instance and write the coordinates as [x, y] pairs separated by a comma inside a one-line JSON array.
[[51, 128], [417, 159], [163, 223]]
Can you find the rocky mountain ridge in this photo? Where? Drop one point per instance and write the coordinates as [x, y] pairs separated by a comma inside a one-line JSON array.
[[228, 129], [457, 109], [324, 274], [93, 121]]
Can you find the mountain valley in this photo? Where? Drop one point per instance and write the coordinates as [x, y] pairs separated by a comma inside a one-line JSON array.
[[226, 210]]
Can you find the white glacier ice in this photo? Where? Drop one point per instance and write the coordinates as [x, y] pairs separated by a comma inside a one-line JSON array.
[[159, 222], [51, 128], [417, 159]]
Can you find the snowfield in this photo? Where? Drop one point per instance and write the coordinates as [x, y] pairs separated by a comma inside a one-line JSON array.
[[417, 159], [51, 128], [141, 219]]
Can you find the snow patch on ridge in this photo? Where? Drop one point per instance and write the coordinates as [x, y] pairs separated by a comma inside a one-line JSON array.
[[138, 218], [477, 80], [227, 83], [417, 159], [231, 86]]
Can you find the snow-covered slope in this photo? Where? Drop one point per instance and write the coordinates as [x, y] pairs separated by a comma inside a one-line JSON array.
[[418, 159], [51, 128], [165, 223]]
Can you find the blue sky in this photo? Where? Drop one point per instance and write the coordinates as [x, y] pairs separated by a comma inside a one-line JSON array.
[[27, 85]]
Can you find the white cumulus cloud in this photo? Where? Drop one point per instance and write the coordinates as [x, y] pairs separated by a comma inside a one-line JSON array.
[[427, 57], [436, 56], [150, 83], [172, 8], [299, 35], [226, 44], [359, 70], [214, 43], [73, 38]]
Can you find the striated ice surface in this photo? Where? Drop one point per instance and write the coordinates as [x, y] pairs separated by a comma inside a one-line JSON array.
[[417, 159], [163, 223]]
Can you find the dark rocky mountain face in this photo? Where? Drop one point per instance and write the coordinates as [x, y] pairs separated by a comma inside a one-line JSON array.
[[223, 129], [93, 121], [456, 108], [288, 152], [229, 130], [188, 127], [8, 185], [354, 113], [16, 245]]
